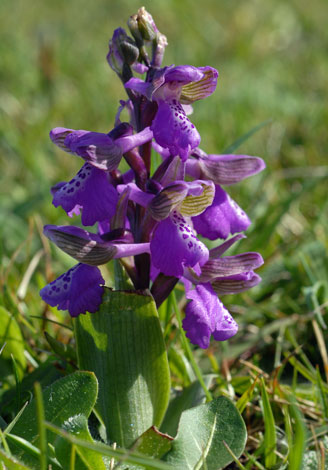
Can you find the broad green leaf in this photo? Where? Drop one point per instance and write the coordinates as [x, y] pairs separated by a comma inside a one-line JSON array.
[[12, 340], [191, 396], [67, 397], [123, 344], [201, 435], [153, 443], [86, 458]]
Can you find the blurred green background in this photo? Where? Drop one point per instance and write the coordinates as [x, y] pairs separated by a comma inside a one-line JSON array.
[[273, 64]]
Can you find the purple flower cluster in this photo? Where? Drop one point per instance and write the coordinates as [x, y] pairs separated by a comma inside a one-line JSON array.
[[153, 217]]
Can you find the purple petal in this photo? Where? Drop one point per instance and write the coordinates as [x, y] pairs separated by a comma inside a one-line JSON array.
[[140, 68], [225, 327], [219, 250], [79, 290], [184, 74], [230, 169], [90, 191], [58, 136], [129, 142], [164, 153], [148, 88], [84, 246], [174, 246], [173, 130], [222, 218], [206, 315], [138, 85], [235, 284], [230, 265], [96, 148], [136, 194]]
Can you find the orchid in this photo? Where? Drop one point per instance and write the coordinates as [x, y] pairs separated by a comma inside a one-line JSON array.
[[158, 222]]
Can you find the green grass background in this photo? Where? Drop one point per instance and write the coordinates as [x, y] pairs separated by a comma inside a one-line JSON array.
[[273, 65]]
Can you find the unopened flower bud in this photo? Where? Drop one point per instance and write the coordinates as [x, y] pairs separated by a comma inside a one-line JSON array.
[[134, 28], [146, 24], [122, 50]]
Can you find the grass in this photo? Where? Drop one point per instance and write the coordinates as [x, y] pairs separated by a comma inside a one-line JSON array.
[[273, 66]]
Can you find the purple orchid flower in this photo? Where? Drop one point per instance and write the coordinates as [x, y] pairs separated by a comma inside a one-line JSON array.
[[156, 218], [170, 88]]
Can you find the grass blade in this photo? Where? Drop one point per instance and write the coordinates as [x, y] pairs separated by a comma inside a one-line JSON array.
[[270, 438]]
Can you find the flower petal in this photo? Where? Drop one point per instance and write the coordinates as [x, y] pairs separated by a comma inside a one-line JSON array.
[[230, 265], [96, 148], [236, 283], [201, 88], [167, 200], [79, 290], [200, 196], [184, 74], [206, 315], [225, 327], [230, 169], [84, 246], [174, 246], [90, 191], [58, 136], [173, 130], [222, 218]]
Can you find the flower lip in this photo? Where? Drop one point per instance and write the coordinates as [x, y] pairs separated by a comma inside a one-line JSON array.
[[79, 290]]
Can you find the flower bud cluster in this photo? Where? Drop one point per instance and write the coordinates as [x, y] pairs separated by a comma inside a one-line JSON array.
[[152, 218]]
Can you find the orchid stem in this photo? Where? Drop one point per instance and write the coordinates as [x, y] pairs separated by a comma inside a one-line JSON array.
[[188, 350]]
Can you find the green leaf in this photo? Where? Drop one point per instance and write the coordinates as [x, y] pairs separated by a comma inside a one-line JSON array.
[[12, 340], [86, 459], [202, 432], [123, 344], [191, 396], [119, 454], [62, 350], [67, 397], [11, 463], [299, 436], [153, 443]]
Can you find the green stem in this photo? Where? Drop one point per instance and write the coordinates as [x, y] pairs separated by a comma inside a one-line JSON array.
[[188, 350]]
